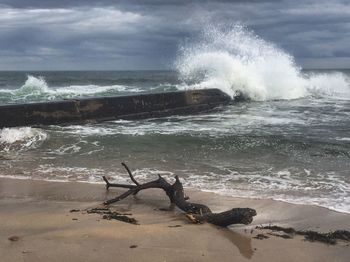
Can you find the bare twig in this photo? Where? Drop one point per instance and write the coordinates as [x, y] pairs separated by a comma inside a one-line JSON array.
[[130, 174]]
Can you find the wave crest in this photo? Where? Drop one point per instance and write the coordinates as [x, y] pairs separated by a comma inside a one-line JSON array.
[[33, 87], [237, 61], [37, 89]]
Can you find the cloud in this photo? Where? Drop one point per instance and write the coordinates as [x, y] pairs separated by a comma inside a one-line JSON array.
[[139, 4], [320, 9], [146, 34]]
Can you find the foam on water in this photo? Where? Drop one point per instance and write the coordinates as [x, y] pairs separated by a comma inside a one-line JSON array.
[[277, 185], [21, 138], [50, 172], [233, 120], [274, 185], [237, 61], [36, 88]]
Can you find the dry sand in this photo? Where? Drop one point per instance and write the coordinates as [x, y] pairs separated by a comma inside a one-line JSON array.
[[37, 212]]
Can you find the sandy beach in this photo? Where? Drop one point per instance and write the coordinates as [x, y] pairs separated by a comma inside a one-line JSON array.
[[146, 131], [36, 215]]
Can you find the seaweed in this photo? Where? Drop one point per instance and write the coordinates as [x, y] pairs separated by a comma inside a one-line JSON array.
[[312, 236], [108, 214]]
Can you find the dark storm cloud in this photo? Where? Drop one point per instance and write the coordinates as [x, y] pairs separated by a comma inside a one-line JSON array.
[[146, 34]]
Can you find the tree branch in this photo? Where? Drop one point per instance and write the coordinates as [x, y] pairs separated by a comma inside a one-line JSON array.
[[196, 213], [130, 174]]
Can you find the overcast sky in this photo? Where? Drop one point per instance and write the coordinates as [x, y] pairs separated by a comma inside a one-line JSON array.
[[121, 35]]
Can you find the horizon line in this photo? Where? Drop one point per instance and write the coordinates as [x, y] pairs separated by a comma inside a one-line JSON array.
[[129, 70]]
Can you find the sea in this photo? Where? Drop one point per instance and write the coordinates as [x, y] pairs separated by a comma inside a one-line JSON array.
[[289, 139]]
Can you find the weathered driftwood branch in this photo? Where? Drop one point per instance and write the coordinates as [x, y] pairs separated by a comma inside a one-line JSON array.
[[196, 213]]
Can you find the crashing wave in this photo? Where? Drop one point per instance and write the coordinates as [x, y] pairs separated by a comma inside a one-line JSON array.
[[237, 61]]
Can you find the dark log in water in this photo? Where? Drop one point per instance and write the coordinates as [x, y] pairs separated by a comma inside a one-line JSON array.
[[196, 213], [111, 108]]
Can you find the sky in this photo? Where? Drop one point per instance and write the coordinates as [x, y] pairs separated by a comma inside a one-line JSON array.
[[146, 35]]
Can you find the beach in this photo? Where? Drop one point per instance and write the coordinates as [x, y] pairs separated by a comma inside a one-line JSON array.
[[227, 112], [47, 221]]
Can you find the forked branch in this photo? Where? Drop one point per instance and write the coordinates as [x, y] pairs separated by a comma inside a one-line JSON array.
[[197, 213]]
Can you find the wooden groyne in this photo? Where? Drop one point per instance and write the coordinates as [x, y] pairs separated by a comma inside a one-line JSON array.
[[111, 108]]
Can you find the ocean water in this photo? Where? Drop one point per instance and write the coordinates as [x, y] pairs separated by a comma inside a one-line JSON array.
[[290, 139]]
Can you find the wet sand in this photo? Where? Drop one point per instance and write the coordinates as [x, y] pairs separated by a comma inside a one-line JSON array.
[[38, 213]]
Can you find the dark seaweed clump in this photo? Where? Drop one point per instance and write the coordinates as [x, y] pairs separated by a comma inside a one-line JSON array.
[[108, 214], [328, 238]]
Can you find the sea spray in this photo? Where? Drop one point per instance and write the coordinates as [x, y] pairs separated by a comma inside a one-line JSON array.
[[34, 86], [237, 61], [332, 85]]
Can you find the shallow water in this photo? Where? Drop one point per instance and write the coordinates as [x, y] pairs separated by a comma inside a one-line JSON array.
[[296, 150]]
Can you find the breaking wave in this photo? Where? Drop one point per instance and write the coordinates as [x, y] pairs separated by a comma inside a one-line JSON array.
[[239, 62], [21, 138], [37, 89]]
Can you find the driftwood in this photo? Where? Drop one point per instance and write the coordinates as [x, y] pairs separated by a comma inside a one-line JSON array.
[[196, 213]]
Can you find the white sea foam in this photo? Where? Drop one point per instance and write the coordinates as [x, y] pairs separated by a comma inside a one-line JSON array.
[[235, 60], [277, 185], [21, 138], [334, 85], [36, 88], [343, 138], [94, 89]]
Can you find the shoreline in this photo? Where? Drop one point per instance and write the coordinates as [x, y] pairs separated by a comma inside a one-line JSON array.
[[189, 189], [37, 212]]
